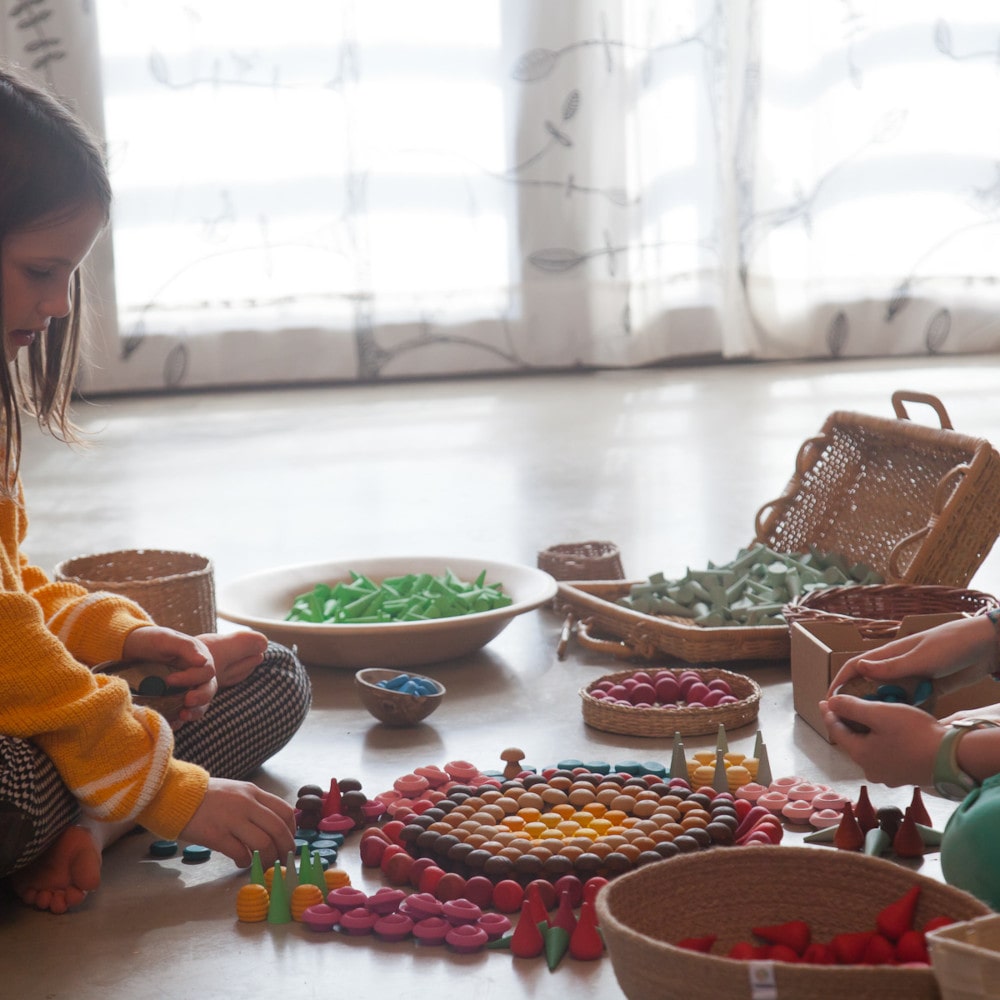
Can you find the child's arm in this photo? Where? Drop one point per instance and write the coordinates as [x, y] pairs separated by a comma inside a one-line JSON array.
[[956, 653], [116, 758]]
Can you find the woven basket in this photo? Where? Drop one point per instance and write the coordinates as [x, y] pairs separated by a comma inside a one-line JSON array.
[[664, 722], [651, 637], [917, 504], [176, 589], [728, 891], [966, 958], [885, 604], [582, 561]]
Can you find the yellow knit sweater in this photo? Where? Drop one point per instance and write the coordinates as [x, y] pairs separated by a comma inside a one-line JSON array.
[[115, 757]]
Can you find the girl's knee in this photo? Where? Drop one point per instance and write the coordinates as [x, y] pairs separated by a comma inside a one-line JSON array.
[[284, 670]]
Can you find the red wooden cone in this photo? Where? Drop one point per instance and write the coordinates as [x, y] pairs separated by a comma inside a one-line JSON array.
[[331, 801], [585, 943], [564, 916], [849, 836], [908, 843], [527, 940], [919, 810], [864, 811], [537, 905]]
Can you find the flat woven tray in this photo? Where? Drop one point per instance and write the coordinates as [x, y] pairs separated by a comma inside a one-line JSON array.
[[919, 505], [664, 722], [651, 637]]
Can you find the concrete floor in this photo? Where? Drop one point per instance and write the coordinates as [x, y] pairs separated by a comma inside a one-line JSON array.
[[671, 464]]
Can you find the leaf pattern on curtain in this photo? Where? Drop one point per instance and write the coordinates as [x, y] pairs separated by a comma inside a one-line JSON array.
[[371, 189]]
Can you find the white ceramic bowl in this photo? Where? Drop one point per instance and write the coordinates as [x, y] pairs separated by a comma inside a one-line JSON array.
[[262, 600]]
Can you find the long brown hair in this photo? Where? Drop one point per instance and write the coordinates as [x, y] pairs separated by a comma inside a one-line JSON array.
[[50, 166]]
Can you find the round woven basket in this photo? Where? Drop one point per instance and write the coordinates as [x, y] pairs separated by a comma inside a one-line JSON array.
[[664, 722], [728, 891], [582, 561], [881, 604], [176, 589]]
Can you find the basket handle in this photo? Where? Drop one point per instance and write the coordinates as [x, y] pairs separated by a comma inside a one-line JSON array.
[[617, 648], [942, 492], [902, 396], [804, 461]]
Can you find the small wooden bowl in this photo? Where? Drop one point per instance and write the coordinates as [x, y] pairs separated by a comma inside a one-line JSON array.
[[396, 708], [144, 674]]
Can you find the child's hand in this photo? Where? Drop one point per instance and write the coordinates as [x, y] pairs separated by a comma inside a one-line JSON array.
[[193, 665], [238, 818], [901, 743], [962, 651]]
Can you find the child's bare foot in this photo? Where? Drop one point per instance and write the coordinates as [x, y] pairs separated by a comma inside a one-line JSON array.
[[236, 654], [64, 874]]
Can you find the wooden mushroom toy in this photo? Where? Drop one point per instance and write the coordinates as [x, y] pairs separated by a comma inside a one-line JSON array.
[[512, 758]]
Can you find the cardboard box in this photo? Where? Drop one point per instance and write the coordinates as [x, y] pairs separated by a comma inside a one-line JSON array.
[[820, 649]]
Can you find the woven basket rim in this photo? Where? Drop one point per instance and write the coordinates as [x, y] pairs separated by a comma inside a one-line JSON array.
[[888, 602], [72, 570]]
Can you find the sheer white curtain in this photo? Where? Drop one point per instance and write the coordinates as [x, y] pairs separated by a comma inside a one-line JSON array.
[[363, 189]]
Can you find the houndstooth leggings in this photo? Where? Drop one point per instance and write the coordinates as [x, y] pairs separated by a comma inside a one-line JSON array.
[[244, 726]]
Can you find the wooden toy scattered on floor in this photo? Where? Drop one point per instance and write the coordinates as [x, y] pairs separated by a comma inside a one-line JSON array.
[[283, 896], [905, 833]]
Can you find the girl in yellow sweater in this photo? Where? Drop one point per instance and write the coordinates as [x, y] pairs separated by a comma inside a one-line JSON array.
[[80, 763]]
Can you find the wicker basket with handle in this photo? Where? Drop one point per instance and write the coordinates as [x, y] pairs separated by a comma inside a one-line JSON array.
[[886, 603], [918, 504], [176, 589]]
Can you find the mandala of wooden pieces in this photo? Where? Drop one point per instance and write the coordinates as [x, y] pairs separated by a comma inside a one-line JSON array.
[[567, 822]]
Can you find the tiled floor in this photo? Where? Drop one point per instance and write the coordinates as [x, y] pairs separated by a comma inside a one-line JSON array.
[[671, 464]]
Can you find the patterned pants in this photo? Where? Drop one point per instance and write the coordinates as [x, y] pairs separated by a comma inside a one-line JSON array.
[[244, 726]]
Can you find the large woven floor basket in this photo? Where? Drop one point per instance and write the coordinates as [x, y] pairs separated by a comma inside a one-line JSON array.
[[176, 589], [727, 891]]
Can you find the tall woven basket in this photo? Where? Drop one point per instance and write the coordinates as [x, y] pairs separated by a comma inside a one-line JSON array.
[[176, 589]]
